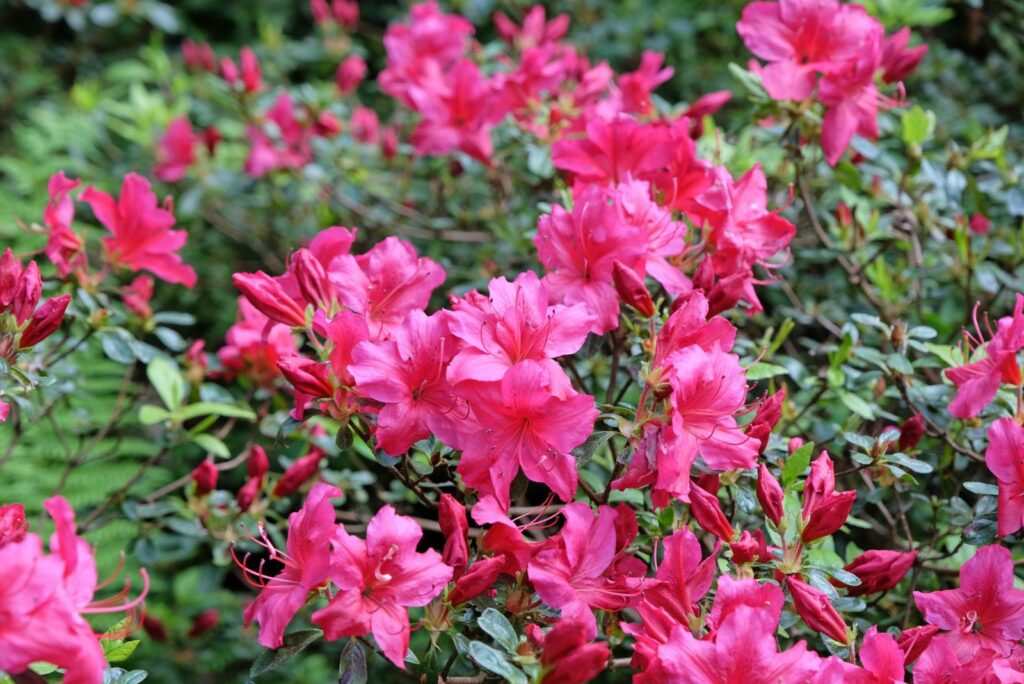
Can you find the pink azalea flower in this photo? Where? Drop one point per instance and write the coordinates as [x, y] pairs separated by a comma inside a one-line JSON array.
[[610, 151], [365, 125], [744, 650], [515, 323], [176, 151], [458, 109], [306, 560], [1005, 459], [378, 580], [852, 100], [665, 236], [800, 38], [986, 612], [254, 344], [689, 324], [881, 657], [941, 664], [521, 423], [141, 238], [585, 569], [64, 247], [287, 148], [567, 655], [385, 284], [407, 376], [686, 176], [579, 251], [898, 60], [536, 29], [350, 74], [978, 382], [638, 85]]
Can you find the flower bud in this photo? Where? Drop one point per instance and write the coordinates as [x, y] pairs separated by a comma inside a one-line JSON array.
[[631, 289], [768, 414], [10, 272], [389, 142], [816, 610], [229, 71], [481, 575], [350, 74], [258, 464], [821, 483], [879, 570], [365, 125], [346, 12], [794, 444], [248, 492], [312, 278], [136, 296], [205, 477], [204, 622], [320, 10], [455, 528], [26, 293], [13, 525], [979, 224], [299, 472], [911, 432], [154, 628], [252, 75], [708, 513], [307, 376], [747, 548], [915, 640], [769, 494], [44, 321], [267, 295], [828, 516]]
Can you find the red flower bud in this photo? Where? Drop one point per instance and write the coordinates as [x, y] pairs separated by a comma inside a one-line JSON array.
[[911, 432], [44, 321], [828, 516], [252, 75], [267, 295], [769, 494], [136, 296], [480, 576], [154, 628], [708, 513], [747, 548], [455, 528], [13, 525], [320, 10], [312, 278], [299, 472], [211, 137], [979, 224], [768, 414], [205, 477], [567, 655], [10, 272], [879, 570], [631, 289], [204, 622], [27, 293], [258, 463], [915, 640], [389, 142], [346, 12], [228, 71], [794, 444], [816, 610], [248, 492], [350, 74], [307, 376]]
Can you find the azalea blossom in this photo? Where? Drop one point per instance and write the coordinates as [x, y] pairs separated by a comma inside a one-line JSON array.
[[1005, 459], [612, 151], [176, 151], [64, 247], [254, 345], [141, 236], [378, 579]]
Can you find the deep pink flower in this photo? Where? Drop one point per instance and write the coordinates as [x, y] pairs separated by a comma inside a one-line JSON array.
[[882, 658], [536, 29], [584, 570], [638, 85], [13, 525], [378, 580], [817, 611], [385, 284], [898, 60], [269, 297], [665, 236], [852, 100], [825, 510], [941, 664], [252, 75], [176, 151], [514, 323], [451, 517], [44, 321], [986, 612], [521, 423], [306, 561], [458, 110], [800, 38], [254, 344], [141, 238], [977, 382], [1005, 459], [198, 56], [631, 290], [365, 125], [289, 146], [407, 376], [579, 251], [64, 247], [567, 655], [137, 294], [611, 151], [350, 74], [879, 570]]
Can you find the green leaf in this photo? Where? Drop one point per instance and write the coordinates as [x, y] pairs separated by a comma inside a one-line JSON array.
[[213, 408], [918, 125], [212, 444], [117, 346], [911, 464], [760, 371], [796, 463], [352, 667], [750, 81], [982, 488], [115, 675], [151, 415], [856, 404], [167, 380], [493, 660], [498, 626], [121, 652], [294, 643]]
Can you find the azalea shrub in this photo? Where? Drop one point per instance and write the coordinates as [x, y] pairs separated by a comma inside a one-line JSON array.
[[462, 343]]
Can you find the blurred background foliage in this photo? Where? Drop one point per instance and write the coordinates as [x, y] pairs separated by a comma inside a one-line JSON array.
[[90, 88]]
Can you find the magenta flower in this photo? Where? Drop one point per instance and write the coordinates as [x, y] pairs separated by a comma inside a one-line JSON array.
[[254, 344], [385, 283], [64, 247], [612, 151], [986, 612], [176, 151], [665, 236], [407, 376], [289, 148], [142, 239], [882, 658], [579, 251], [852, 100], [941, 664], [800, 38], [514, 323], [522, 423], [898, 60], [585, 569], [1005, 458], [379, 579], [306, 559]]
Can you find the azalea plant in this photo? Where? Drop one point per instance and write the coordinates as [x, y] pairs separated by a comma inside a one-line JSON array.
[[496, 365]]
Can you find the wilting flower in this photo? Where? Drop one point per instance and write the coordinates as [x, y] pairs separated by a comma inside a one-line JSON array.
[[378, 580]]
